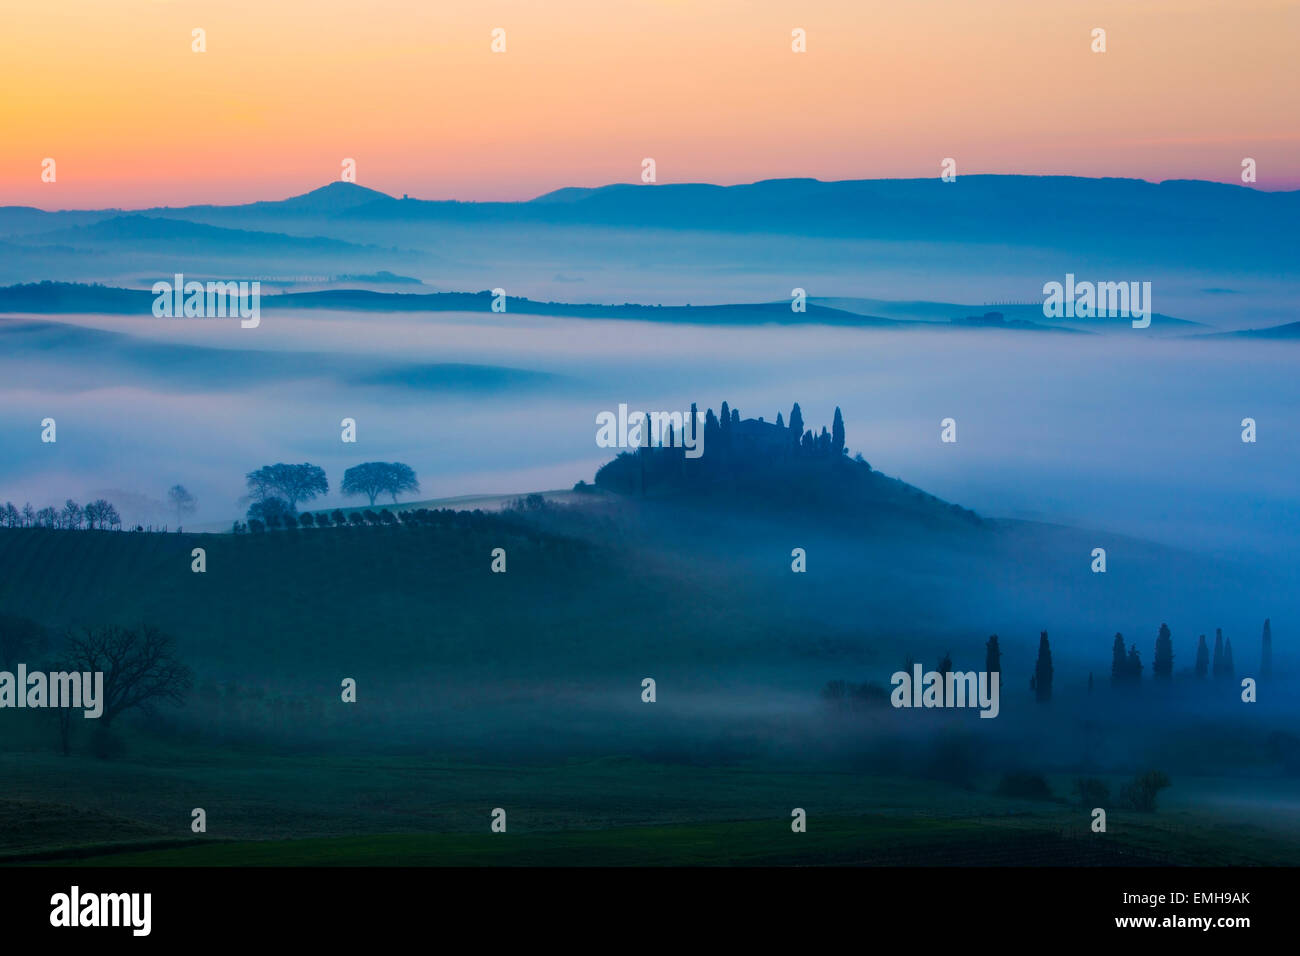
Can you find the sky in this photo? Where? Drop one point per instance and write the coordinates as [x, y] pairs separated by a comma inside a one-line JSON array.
[[587, 89]]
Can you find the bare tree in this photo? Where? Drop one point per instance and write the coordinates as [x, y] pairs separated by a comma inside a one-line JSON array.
[[72, 515], [99, 514], [139, 665], [181, 502]]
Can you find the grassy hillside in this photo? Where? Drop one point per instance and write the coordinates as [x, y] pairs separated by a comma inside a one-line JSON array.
[[309, 600], [523, 690]]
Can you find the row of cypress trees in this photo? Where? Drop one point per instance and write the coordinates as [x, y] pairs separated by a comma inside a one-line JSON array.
[[1126, 664]]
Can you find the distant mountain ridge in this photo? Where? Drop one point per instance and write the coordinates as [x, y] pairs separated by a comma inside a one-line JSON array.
[[970, 207], [135, 227]]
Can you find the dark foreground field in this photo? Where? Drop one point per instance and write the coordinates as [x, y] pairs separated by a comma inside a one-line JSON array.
[[522, 691], [269, 810]]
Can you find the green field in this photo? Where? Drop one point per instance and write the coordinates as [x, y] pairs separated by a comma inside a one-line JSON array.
[[330, 810]]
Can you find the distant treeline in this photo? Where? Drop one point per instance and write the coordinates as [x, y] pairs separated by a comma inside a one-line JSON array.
[[446, 518], [1125, 671], [99, 515]]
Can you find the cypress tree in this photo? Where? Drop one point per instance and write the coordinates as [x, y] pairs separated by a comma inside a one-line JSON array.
[[1118, 662], [1043, 670], [1202, 658], [1133, 665], [712, 432], [1218, 652], [837, 433], [796, 425], [1228, 669], [1162, 664], [993, 659]]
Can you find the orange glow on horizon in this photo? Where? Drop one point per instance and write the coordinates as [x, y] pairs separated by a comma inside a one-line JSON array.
[[586, 89]]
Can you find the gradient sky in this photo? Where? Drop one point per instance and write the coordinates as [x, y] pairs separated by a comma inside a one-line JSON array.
[[587, 88]]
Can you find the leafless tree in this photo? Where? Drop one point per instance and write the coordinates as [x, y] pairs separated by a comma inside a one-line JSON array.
[[140, 667]]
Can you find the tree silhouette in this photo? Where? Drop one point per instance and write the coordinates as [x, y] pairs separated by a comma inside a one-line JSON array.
[[1228, 670], [1162, 664], [1118, 661], [712, 430], [181, 502], [100, 514], [1218, 653], [375, 478], [272, 512], [293, 483], [837, 433], [993, 659], [1043, 670], [796, 425], [1133, 665], [1202, 658], [139, 665]]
